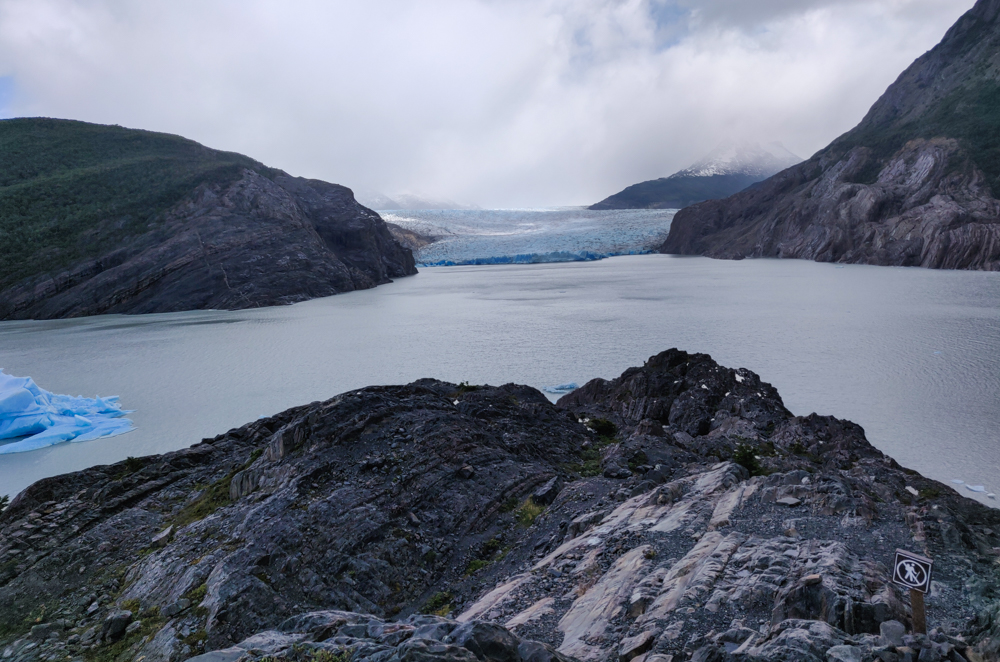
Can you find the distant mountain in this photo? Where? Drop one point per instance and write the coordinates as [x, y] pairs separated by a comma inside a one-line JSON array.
[[101, 219], [730, 167], [916, 183], [375, 200], [407, 201]]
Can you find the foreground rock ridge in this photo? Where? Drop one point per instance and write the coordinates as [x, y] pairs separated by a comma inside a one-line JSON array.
[[678, 512], [914, 184], [216, 230]]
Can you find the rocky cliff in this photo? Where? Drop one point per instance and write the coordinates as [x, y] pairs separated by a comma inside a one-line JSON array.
[[914, 184], [677, 512], [100, 219]]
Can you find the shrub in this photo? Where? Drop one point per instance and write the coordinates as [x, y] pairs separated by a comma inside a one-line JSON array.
[[528, 512], [489, 552], [438, 604], [603, 427], [475, 565], [746, 456], [930, 493], [213, 497]]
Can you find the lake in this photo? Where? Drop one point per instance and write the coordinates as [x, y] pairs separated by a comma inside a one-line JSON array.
[[912, 355]]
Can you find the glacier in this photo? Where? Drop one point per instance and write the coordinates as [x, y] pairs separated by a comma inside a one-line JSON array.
[[33, 418], [531, 236]]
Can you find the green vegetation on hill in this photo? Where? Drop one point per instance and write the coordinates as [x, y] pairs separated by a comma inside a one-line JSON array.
[[72, 190], [970, 115]]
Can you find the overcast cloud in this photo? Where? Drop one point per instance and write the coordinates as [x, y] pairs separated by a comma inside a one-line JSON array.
[[495, 102]]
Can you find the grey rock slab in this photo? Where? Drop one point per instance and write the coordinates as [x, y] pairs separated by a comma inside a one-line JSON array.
[[270, 641], [428, 650], [548, 492], [163, 537], [222, 655], [115, 624], [487, 641], [537, 651], [42, 631], [892, 633], [631, 647], [844, 653], [435, 631], [588, 618], [929, 654]]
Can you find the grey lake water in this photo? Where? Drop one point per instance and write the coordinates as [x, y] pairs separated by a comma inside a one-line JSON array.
[[912, 355]]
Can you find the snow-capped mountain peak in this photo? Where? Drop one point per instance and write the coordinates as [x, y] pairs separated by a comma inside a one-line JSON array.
[[742, 158]]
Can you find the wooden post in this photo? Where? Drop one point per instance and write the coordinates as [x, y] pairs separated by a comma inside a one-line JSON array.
[[919, 619]]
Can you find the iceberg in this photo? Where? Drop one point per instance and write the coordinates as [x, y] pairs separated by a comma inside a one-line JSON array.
[[976, 488], [561, 388], [33, 418]]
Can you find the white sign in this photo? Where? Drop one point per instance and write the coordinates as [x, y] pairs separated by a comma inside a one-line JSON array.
[[912, 571]]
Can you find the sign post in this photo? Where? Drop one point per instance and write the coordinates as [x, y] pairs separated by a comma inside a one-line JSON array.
[[913, 571]]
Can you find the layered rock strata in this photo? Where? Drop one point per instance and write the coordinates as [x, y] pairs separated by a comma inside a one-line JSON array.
[[255, 242], [677, 512]]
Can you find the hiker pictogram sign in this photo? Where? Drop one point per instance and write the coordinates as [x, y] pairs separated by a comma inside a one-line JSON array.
[[912, 571]]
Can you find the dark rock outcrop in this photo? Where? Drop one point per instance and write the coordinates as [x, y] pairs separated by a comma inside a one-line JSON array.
[[400, 523], [914, 184], [257, 238]]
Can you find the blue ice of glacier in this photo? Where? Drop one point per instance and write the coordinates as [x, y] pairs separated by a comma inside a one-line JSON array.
[[530, 236], [32, 418]]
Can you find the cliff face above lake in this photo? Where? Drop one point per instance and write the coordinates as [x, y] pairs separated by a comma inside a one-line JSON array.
[[97, 219], [679, 510], [914, 184]]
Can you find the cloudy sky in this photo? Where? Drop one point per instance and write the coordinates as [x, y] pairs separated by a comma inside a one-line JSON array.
[[493, 102]]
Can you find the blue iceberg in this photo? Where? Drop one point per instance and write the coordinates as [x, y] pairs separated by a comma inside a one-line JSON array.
[[561, 388], [32, 418]]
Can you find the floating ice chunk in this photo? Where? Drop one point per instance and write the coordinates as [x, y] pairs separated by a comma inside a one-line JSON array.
[[958, 481], [976, 488], [561, 388], [991, 496], [33, 418]]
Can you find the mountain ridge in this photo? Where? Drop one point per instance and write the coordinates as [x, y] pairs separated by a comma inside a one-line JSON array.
[[915, 183], [101, 219], [730, 167]]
